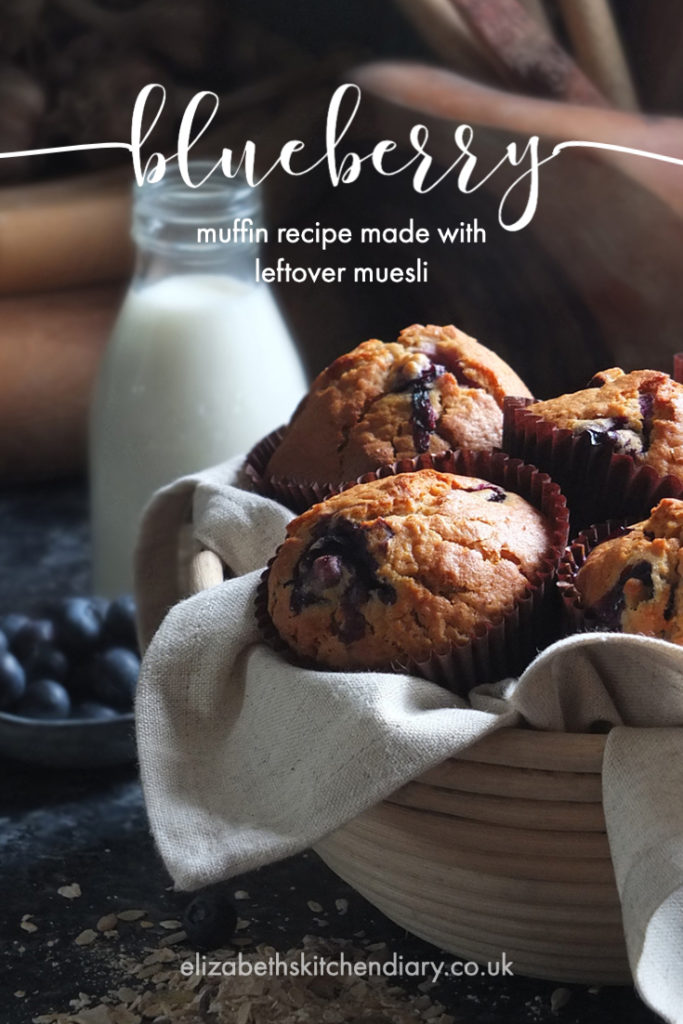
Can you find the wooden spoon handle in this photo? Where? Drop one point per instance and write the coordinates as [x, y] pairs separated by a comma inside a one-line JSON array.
[[526, 51], [446, 32], [538, 11], [596, 42], [206, 571]]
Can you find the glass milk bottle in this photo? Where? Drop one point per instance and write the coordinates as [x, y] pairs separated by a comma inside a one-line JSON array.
[[199, 367]]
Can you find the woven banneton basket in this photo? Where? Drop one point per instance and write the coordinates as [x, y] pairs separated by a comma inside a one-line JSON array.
[[502, 850]]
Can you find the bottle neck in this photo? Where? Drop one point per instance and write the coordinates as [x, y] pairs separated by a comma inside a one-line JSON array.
[[213, 229]]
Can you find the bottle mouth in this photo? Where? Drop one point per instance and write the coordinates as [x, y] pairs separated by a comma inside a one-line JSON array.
[[168, 214]]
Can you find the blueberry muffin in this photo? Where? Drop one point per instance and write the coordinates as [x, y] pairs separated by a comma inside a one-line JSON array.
[[630, 583], [392, 570], [638, 414], [432, 390]]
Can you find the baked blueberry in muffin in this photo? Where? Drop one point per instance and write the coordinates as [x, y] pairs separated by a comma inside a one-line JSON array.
[[432, 390], [631, 583], [391, 570]]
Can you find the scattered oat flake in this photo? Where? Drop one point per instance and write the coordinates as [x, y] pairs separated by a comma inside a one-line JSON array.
[[315, 907], [241, 924], [99, 1014], [82, 1001], [430, 1012], [86, 937], [243, 1014], [131, 915], [342, 906], [171, 940], [146, 972], [122, 1015], [71, 891], [126, 994], [146, 924], [170, 925], [27, 925], [107, 923], [559, 997], [159, 956], [242, 894], [160, 978], [20, 993]]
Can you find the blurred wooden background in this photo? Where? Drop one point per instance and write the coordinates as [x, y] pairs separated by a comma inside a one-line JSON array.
[[593, 281]]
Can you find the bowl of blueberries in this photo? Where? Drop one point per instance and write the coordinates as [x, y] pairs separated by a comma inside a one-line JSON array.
[[67, 683]]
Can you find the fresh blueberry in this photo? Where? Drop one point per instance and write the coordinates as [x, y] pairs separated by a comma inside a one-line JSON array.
[[47, 662], [78, 626], [116, 677], [4, 643], [209, 920], [29, 637], [46, 698], [11, 624], [101, 606], [12, 680], [94, 710], [81, 677], [119, 623]]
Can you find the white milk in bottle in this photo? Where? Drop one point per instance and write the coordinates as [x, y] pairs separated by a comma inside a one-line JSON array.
[[199, 367]]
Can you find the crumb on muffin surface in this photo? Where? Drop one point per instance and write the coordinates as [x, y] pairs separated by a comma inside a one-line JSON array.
[[431, 390], [631, 583], [401, 566]]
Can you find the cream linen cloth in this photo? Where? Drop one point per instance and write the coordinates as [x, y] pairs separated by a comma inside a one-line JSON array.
[[246, 759]]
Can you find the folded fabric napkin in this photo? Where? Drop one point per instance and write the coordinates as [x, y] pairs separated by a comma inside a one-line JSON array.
[[246, 758]]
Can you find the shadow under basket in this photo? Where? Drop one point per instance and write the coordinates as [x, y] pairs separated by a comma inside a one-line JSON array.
[[500, 851]]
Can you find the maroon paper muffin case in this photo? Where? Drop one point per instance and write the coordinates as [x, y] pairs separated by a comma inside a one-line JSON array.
[[599, 483], [297, 495], [506, 646], [576, 618]]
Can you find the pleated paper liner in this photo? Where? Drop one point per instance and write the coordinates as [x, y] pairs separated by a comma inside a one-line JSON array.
[[578, 619], [297, 495], [599, 482], [502, 647]]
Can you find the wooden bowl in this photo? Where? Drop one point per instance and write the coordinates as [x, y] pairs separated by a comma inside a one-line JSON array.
[[502, 850]]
